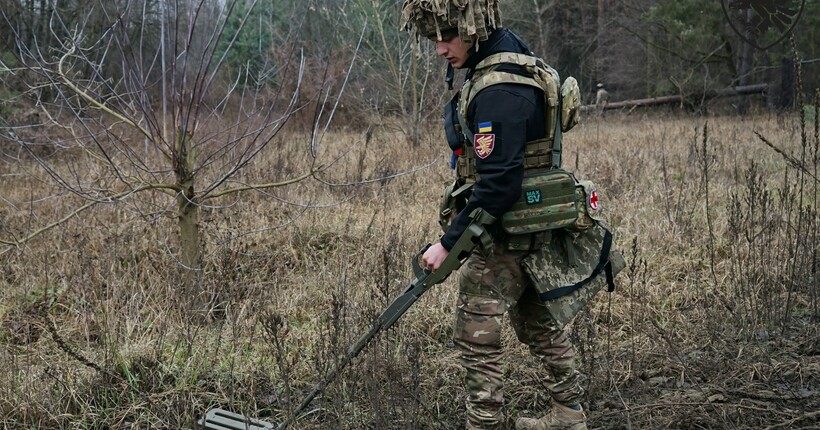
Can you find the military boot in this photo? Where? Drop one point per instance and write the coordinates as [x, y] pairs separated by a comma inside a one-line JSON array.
[[560, 418]]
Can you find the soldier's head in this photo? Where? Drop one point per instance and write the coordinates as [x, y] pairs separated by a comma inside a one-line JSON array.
[[454, 25]]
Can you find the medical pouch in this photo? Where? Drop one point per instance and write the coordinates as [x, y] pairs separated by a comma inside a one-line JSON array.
[[589, 207]]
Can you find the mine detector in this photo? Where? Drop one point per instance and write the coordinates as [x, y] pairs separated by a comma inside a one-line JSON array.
[[475, 235]]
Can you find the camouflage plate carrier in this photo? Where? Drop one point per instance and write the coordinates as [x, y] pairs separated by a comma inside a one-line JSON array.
[[549, 199], [575, 246]]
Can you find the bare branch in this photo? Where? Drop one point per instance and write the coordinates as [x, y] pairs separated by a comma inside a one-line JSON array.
[[263, 186], [789, 159], [112, 199], [92, 100]]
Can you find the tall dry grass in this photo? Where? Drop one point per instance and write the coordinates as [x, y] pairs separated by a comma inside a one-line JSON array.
[[714, 324]]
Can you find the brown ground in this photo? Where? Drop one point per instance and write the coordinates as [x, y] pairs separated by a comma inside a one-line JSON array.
[[714, 324]]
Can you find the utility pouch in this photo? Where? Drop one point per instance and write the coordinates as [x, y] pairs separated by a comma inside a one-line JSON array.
[[570, 104], [452, 202], [570, 268], [452, 128], [548, 201]]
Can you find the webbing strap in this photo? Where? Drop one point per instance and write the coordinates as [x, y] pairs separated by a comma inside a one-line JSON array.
[[462, 189], [465, 128], [556, 141], [537, 154], [538, 146], [536, 161], [507, 57], [497, 77], [603, 265], [572, 260]]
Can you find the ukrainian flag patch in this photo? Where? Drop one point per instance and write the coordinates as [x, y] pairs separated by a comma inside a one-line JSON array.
[[485, 127]]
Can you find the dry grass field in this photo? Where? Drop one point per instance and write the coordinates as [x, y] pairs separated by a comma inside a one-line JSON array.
[[714, 324]]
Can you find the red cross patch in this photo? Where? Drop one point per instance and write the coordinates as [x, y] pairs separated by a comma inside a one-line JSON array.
[[593, 200]]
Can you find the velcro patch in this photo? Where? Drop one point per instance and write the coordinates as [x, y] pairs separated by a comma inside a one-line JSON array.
[[533, 197], [484, 144], [485, 127]]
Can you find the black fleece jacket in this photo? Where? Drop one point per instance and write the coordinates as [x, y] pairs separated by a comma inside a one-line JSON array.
[[516, 115]]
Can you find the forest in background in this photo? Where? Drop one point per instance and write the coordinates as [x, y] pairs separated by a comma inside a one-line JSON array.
[[637, 48]]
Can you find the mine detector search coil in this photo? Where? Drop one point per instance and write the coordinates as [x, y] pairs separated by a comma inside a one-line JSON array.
[[475, 235]]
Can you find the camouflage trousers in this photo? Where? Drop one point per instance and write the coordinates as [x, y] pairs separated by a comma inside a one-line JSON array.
[[489, 286]]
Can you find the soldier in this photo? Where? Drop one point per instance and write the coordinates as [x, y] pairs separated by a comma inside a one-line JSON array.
[[505, 117], [601, 98]]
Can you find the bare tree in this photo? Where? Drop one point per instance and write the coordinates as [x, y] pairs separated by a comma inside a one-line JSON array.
[[169, 123]]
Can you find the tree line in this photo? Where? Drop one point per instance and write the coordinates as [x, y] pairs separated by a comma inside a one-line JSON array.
[[636, 48]]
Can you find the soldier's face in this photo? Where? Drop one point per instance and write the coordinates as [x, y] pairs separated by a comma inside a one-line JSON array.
[[453, 49]]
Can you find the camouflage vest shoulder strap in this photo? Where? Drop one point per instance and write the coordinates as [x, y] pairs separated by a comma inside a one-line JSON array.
[[544, 77]]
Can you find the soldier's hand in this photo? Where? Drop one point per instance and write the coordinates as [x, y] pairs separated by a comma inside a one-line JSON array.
[[433, 257]]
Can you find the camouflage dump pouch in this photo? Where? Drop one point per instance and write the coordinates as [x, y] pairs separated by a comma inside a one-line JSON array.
[[548, 201], [571, 268]]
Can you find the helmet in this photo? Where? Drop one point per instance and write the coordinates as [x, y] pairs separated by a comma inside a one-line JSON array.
[[429, 18]]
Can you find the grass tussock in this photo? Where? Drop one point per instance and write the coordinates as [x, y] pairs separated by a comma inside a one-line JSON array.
[[715, 323]]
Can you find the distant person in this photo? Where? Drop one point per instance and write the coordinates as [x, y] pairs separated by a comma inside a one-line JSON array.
[[601, 99]]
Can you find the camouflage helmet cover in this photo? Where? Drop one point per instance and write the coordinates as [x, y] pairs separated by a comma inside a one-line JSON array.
[[429, 18]]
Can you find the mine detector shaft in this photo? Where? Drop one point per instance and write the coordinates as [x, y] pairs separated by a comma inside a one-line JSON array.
[[475, 235]]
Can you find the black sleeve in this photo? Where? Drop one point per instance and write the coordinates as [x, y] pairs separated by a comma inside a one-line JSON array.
[[511, 111]]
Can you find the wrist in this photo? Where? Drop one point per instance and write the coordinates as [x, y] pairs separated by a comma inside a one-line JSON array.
[[446, 244]]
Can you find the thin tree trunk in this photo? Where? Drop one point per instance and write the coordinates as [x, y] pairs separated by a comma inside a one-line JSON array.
[[601, 51], [539, 47], [188, 216], [744, 69], [414, 85]]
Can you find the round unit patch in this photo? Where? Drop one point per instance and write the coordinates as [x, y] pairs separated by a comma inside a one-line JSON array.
[[593, 200]]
